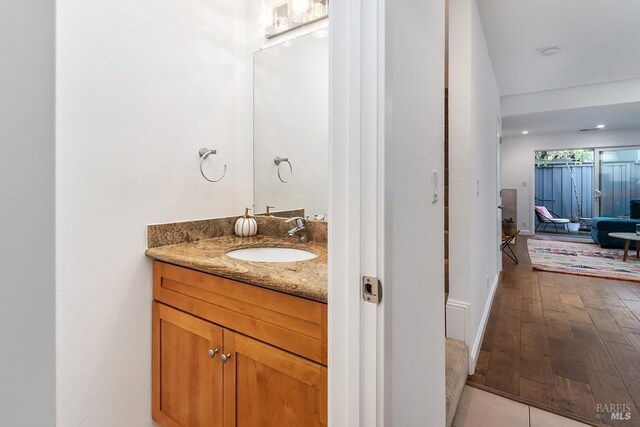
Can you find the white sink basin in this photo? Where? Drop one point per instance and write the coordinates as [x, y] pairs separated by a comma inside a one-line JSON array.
[[271, 255]]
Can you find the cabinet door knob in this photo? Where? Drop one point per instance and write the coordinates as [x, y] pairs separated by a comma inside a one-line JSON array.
[[213, 352], [225, 357]]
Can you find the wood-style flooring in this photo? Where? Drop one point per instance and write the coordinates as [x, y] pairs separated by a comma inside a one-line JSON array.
[[562, 342]]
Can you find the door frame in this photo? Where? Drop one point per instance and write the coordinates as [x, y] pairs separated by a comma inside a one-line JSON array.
[[595, 210], [355, 208], [499, 188], [533, 186]]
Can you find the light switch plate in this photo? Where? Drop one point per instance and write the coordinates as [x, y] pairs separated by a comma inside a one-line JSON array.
[[434, 186]]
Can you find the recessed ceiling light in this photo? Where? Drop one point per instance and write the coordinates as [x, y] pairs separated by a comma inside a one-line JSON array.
[[525, 132], [548, 50], [600, 126]]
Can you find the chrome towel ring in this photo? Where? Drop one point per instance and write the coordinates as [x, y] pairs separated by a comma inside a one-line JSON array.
[[278, 161], [204, 154]]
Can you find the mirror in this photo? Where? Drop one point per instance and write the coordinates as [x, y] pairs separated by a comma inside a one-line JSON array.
[[291, 125]]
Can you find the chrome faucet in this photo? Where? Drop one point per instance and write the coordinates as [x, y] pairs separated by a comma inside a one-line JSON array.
[[300, 230]]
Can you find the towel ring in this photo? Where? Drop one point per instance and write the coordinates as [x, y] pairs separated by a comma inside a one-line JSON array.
[[278, 160], [204, 155]]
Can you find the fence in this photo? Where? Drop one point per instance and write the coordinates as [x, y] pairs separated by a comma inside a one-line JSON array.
[[619, 183], [553, 184]]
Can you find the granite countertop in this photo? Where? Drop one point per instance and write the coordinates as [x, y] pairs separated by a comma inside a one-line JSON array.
[[307, 279]]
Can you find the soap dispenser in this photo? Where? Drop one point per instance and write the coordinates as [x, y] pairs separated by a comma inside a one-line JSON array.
[[246, 226]]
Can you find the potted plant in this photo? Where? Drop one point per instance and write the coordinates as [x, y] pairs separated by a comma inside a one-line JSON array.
[[509, 227], [574, 223]]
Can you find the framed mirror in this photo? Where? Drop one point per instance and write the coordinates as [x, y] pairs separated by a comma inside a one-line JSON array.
[[291, 125]]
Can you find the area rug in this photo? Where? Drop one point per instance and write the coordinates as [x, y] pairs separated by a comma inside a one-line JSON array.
[[584, 259]]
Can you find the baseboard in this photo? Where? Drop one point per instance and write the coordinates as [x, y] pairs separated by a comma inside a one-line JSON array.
[[456, 314], [477, 343]]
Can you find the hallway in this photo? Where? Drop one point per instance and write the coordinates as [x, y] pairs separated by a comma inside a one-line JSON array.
[[563, 343]]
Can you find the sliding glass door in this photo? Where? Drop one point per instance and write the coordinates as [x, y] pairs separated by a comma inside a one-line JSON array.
[[617, 181], [578, 184]]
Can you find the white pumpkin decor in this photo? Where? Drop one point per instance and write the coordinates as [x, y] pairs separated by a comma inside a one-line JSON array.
[[246, 226]]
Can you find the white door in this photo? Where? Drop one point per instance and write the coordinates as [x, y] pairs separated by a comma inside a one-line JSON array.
[[386, 360], [597, 193]]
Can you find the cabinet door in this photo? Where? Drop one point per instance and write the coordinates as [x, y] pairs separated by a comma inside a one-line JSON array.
[[187, 375], [266, 386]]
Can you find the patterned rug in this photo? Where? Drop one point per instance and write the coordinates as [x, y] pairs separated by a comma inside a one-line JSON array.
[[584, 259]]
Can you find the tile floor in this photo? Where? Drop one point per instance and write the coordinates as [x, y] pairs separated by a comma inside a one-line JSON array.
[[479, 408]]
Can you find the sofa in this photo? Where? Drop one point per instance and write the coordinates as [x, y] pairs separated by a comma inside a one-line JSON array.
[[602, 226]]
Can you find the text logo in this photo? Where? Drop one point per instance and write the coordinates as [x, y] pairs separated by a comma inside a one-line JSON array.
[[614, 411]]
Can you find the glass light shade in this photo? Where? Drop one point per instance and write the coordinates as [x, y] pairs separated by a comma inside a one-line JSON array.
[[265, 15], [300, 6]]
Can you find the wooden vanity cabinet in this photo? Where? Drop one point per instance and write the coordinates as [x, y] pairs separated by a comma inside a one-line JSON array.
[[266, 386], [187, 382], [230, 354]]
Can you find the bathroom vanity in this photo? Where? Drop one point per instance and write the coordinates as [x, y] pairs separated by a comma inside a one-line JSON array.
[[237, 343], [243, 342]]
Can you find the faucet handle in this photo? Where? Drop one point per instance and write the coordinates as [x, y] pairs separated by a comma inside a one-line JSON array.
[[298, 219]]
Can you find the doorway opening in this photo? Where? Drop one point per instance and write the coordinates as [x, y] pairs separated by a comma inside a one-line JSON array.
[[564, 193], [617, 181]]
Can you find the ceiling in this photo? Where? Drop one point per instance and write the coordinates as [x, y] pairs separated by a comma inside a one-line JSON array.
[[617, 116], [599, 41]]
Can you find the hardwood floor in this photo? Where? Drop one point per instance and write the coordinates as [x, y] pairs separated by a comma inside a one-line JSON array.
[[562, 342]]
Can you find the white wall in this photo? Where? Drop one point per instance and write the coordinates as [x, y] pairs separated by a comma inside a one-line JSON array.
[[27, 199], [413, 269], [572, 97], [141, 87], [518, 161], [291, 119], [474, 110]]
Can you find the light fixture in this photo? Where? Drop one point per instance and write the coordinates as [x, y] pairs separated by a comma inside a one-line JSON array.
[[279, 18], [552, 51], [548, 50], [300, 6], [600, 126], [319, 8], [525, 132], [265, 15]]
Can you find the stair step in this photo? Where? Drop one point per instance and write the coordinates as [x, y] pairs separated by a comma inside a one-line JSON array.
[[446, 217], [456, 356]]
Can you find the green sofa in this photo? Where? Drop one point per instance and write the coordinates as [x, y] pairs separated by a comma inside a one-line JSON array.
[[602, 226]]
